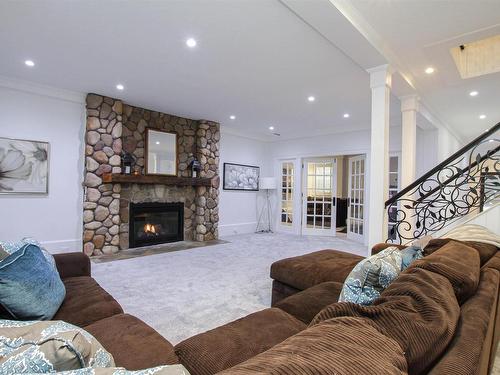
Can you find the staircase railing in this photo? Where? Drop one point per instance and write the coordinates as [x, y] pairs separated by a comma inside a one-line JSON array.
[[462, 184]]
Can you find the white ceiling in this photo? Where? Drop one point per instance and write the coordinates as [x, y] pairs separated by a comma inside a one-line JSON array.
[[415, 34], [256, 59]]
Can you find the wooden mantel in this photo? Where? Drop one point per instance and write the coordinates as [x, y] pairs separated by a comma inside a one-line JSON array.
[[153, 179]]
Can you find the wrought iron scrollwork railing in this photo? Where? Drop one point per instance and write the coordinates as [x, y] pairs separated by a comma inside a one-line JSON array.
[[466, 182]]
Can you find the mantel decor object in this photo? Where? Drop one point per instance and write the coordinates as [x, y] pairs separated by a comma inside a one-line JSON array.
[[161, 153], [128, 161], [24, 166], [195, 168]]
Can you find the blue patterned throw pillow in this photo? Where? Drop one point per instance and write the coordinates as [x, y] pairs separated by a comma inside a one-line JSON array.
[[30, 287], [10, 247], [409, 255], [372, 275], [33, 347]]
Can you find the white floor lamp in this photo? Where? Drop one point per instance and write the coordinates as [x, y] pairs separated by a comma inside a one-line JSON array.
[[267, 184]]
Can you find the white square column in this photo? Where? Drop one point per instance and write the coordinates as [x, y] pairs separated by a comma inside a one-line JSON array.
[[380, 83], [409, 109]]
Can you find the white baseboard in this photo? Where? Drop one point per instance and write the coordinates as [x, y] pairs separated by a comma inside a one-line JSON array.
[[238, 228], [63, 246]]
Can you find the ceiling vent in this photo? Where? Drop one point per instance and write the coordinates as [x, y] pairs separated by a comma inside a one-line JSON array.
[[477, 58]]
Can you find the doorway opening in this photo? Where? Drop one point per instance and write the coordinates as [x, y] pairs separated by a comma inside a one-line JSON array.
[[333, 196]]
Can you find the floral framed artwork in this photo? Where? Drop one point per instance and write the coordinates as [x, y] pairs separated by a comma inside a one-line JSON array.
[[24, 166], [240, 177]]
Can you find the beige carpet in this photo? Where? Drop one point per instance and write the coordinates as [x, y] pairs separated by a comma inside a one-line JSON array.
[[186, 292], [183, 293]]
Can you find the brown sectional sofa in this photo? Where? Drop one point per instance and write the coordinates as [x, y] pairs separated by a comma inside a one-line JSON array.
[[133, 344], [440, 316], [295, 274]]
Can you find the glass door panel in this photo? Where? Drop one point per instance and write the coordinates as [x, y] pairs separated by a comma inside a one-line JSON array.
[[355, 217], [287, 174], [318, 196]]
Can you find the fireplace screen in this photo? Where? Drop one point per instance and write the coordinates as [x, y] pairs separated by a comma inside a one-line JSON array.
[[155, 223]]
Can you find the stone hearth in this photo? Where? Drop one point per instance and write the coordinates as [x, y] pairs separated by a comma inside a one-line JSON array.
[[113, 126]]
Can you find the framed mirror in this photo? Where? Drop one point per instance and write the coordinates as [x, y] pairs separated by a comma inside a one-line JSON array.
[[161, 152]]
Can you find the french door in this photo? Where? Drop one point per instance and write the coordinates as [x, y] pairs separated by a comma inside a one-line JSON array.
[[318, 196], [356, 199]]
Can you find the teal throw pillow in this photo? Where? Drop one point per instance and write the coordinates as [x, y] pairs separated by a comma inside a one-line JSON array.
[[10, 247], [30, 287], [409, 255], [372, 275]]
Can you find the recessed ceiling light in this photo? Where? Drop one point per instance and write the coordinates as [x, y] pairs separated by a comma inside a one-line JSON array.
[[473, 93], [482, 117], [191, 43], [29, 63], [232, 117], [119, 86], [157, 142], [429, 70], [271, 128], [346, 115], [311, 98]]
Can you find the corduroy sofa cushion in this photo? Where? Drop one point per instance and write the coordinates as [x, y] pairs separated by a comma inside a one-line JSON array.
[[494, 262], [133, 344], [305, 271], [459, 263], [485, 251], [235, 342], [306, 304], [342, 346], [418, 310], [86, 302], [465, 353]]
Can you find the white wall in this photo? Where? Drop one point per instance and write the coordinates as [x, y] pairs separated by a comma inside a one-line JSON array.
[[447, 144], [427, 151], [55, 116], [357, 142], [489, 219], [348, 143], [238, 210]]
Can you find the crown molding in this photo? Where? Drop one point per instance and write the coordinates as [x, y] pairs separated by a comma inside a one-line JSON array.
[[39, 89]]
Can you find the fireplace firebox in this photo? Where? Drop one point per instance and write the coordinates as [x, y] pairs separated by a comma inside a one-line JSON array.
[[155, 223]]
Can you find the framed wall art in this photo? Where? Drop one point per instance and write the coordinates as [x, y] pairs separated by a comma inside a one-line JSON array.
[[240, 177], [24, 166]]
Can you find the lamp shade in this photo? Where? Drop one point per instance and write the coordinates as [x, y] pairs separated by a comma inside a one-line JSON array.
[[267, 183]]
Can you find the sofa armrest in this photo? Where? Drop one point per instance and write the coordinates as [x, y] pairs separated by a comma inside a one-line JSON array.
[[382, 246], [72, 264]]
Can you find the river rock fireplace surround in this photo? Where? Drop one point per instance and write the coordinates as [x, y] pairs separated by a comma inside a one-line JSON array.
[[110, 199]]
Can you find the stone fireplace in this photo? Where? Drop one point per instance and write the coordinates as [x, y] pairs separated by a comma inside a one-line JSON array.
[[113, 127]]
